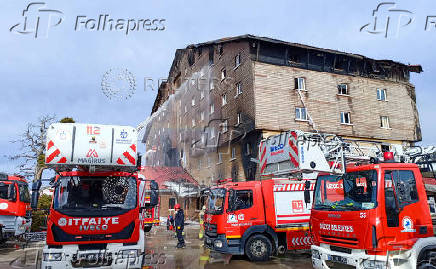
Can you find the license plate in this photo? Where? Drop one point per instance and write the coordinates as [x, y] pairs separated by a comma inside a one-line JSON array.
[[335, 258]]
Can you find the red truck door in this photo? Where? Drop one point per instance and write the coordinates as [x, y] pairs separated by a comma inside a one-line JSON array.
[[247, 210], [404, 219]]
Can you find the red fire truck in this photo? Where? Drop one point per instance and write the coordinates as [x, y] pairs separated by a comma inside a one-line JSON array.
[[15, 214], [261, 218], [98, 208], [375, 215]]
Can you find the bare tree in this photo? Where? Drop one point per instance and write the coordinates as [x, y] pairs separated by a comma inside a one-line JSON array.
[[32, 148]]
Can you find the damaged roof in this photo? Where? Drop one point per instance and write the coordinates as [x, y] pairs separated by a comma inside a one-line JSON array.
[[412, 68]]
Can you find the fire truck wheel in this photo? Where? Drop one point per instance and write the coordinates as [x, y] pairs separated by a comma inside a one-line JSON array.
[[258, 248], [427, 261]]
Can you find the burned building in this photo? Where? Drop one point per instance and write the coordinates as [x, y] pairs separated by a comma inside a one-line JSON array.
[[222, 97]]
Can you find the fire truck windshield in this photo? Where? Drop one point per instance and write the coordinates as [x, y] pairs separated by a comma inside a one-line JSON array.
[[351, 191], [215, 201], [95, 193]]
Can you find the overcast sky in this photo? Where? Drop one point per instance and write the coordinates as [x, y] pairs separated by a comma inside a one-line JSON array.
[[60, 71]]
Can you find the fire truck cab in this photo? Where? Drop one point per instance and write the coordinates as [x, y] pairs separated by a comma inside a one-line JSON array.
[[270, 216], [98, 211], [257, 218], [373, 216], [15, 214]]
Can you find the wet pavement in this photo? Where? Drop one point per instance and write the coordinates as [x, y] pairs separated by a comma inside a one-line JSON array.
[[161, 252], [161, 244]]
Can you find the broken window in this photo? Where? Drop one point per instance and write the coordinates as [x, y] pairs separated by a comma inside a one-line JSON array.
[[224, 126], [341, 63], [237, 60], [384, 122], [171, 202], [300, 113], [297, 56], [202, 115], [345, 118], [220, 49], [248, 149], [381, 94], [193, 102], [343, 89], [223, 100], [300, 84], [191, 57], [211, 54], [316, 60], [212, 108], [238, 88], [239, 118], [233, 153], [223, 74]]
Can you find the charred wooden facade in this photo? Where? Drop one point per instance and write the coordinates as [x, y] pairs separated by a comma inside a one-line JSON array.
[[222, 97]]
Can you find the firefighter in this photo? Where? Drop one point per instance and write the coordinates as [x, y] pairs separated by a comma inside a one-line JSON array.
[[179, 223], [201, 219]]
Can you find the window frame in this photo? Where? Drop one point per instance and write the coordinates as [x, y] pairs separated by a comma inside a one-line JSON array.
[[220, 158], [223, 74], [300, 109], [379, 95], [387, 121], [251, 198], [343, 118], [237, 60], [238, 89], [223, 99], [225, 125], [297, 83], [233, 154], [340, 89]]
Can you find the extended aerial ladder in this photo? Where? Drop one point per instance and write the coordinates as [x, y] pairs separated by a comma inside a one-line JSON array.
[[299, 153]]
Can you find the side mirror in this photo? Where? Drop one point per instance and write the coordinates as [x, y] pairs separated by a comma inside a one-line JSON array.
[[36, 186], [231, 204], [154, 194], [307, 196], [307, 192], [138, 162]]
